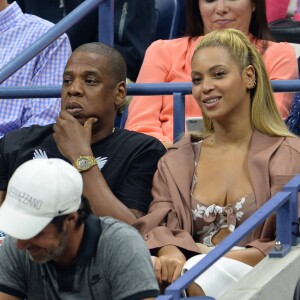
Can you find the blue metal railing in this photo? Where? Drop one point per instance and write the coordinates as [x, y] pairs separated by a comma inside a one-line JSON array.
[[284, 203], [177, 89], [105, 33]]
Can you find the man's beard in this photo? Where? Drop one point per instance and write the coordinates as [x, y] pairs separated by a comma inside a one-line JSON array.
[[53, 253]]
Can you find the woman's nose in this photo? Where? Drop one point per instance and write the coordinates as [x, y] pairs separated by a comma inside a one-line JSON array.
[[222, 7]]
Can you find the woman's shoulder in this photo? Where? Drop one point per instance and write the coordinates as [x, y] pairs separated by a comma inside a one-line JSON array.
[[286, 159], [178, 43], [280, 47], [185, 141], [292, 143], [182, 148]]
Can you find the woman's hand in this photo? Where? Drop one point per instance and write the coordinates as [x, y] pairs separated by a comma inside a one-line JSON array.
[[168, 264]]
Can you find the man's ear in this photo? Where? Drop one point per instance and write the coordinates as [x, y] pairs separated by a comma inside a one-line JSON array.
[[120, 93], [71, 219]]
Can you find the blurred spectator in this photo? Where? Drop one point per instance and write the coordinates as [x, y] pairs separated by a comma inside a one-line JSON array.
[[170, 61], [279, 9], [17, 32], [134, 23]]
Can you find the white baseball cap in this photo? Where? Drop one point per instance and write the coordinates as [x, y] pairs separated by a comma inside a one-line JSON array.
[[38, 191]]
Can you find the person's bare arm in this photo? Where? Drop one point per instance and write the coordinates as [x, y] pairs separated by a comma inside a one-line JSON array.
[[4, 296], [2, 196], [73, 140], [249, 256]]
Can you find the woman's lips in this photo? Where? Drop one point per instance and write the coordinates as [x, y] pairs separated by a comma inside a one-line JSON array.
[[211, 102], [223, 22]]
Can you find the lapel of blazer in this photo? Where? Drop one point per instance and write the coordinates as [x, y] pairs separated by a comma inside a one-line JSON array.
[[261, 149], [181, 164]]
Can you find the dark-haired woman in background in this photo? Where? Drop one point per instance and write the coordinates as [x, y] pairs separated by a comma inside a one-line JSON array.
[[170, 61]]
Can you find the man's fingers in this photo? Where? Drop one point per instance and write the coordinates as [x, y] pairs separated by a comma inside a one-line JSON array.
[[89, 122], [65, 115]]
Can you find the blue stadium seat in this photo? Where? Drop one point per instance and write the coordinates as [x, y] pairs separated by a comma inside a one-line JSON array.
[[285, 30], [167, 19], [169, 16]]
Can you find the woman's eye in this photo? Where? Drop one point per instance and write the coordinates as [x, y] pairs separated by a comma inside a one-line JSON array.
[[196, 80], [219, 74]]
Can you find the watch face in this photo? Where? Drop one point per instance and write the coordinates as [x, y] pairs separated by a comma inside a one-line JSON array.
[[83, 163]]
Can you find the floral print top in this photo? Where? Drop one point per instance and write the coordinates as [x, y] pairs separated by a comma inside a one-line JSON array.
[[208, 220]]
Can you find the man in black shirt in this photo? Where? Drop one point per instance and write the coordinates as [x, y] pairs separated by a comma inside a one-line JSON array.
[[117, 166]]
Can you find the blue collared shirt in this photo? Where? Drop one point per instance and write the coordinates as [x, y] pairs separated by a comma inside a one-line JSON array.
[[17, 32]]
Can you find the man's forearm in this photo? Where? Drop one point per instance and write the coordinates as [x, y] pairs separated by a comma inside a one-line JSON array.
[[102, 200]]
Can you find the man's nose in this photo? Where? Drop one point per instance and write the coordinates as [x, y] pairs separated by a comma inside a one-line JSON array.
[[75, 88]]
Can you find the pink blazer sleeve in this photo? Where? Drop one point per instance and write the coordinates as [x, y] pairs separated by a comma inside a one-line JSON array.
[[281, 63]]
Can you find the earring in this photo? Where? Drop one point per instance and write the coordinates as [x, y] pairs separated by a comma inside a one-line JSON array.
[[253, 83], [253, 8]]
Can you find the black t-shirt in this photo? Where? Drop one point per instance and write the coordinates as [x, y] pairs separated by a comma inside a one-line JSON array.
[[127, 160]]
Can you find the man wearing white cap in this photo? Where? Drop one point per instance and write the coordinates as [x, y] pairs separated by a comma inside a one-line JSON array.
[[55, 249]]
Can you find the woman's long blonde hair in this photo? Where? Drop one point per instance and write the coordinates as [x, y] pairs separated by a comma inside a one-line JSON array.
[[265, 116]]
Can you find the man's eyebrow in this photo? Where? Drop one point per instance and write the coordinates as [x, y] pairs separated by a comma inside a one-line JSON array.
[[95, 73], [85, 73]]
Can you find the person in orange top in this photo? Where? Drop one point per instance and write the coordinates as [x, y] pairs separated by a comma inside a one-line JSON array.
[[170, 61]]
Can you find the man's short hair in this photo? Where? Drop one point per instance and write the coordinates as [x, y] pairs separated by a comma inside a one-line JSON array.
[[116, 63]]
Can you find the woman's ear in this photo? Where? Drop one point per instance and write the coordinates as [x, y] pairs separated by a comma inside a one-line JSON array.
[[120, 93], [250, 77]]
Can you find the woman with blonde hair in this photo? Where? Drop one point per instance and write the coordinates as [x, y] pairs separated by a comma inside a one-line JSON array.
[[170, 61], [209, 183]]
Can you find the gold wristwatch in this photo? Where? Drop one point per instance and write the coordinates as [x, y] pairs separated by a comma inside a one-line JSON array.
[[84, 163]]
